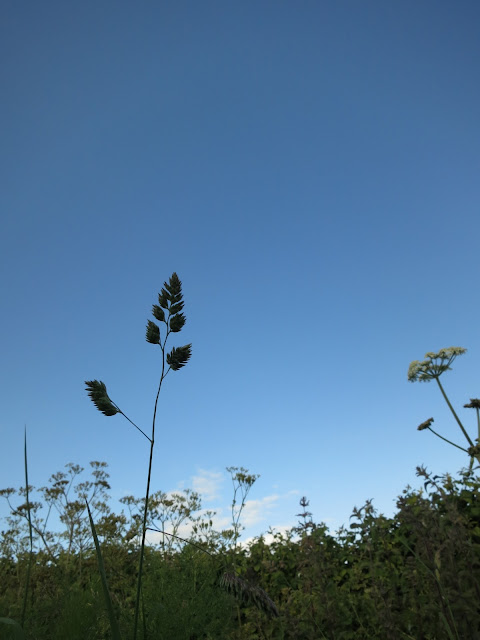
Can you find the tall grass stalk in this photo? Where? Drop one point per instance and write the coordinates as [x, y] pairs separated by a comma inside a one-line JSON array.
[[19, 629], [168, 311], [30, 532], [106, 593]]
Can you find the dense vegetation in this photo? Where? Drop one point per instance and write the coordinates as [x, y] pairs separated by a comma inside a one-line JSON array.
[[413, 576]]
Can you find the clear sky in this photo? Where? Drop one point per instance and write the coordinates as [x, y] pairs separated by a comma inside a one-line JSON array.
[[311, 172]]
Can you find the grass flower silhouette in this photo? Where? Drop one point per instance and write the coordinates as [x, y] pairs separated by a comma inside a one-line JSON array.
[[168, 311]]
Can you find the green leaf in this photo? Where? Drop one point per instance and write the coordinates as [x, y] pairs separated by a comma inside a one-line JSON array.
[[17, 629], [158, 312], [248, 593], [153, 333], [98, 393], [177, 322], [178, 357], [106, 593]]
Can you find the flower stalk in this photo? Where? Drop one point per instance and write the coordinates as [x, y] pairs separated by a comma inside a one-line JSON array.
[[431, 369], [169, 311]]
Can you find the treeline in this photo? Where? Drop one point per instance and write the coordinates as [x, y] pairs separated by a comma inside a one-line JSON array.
[[415, 575]]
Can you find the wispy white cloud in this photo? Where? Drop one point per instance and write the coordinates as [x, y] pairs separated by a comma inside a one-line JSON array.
[[256, 511], [184, 530], [269, 537], [207, 484]]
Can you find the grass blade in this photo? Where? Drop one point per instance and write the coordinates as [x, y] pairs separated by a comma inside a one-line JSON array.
[[30, 557], [108, 600], [17, 629]]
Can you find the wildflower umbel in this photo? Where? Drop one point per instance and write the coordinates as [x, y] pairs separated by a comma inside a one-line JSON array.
[[434, 365], [431, 369]]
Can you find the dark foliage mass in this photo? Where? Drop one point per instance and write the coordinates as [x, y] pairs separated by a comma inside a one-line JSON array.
[[413, 576]]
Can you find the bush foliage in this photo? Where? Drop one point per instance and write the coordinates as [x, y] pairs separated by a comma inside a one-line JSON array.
[[415, 575], [412, 576]]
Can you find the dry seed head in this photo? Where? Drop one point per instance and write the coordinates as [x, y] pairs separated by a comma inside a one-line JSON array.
[[474, 404], [425, 425]]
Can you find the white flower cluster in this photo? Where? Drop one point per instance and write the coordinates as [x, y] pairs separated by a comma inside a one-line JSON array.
[[434, 365]]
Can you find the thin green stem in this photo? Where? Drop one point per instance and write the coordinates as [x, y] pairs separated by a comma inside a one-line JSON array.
[[35, 528], [42, 536], [454, 414], [131, 422], [443, 598], [449, 441], [173, 535], [478, 439], [147, 495]]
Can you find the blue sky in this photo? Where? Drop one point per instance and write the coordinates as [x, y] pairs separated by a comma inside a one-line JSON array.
[[310, 170]]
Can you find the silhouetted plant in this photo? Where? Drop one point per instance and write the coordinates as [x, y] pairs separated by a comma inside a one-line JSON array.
[[169, 311], [431, 369], [413, 576], [306, 521], [242, 482]]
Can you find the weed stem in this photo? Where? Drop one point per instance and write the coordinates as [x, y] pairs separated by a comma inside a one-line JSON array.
[[454, 414], [449, 441], [143, 432]]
